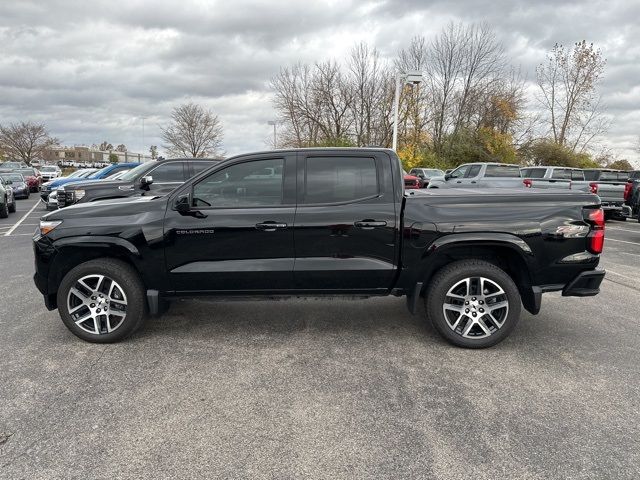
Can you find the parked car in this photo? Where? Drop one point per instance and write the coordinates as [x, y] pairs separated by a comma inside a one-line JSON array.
[[550, 177], [426, 174], [102, 174], [7, 200], [610, 186], [13, 165], [331, 222], [50, 186], [156, 178], [412, 181], [32, 177], [632, 194], [18, 184], [474, 175], [49, 172]]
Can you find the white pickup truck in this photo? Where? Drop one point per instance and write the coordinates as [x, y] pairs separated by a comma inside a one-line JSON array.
[[609, 185]]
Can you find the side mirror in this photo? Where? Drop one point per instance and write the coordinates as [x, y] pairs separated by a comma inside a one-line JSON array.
[[8, 182], [146, 181], [183, 204], [447, 176]]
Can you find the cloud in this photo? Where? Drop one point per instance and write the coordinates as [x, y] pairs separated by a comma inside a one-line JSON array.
[[92, 70]]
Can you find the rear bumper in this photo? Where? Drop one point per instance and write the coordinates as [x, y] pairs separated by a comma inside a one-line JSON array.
[[586, 284]]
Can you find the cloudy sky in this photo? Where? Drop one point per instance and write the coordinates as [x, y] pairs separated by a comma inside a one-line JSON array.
[[91, 70]]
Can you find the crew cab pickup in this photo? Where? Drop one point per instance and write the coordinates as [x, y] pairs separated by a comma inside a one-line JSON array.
[[155, 177], [319, 222], [102, 174], [610, 186], [550, 177], [486, 175]]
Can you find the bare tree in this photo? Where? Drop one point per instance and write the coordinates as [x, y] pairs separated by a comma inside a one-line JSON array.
[[121, 148], [26, 141], [194, 132], [568, 93], [153, 150], [105, 147]]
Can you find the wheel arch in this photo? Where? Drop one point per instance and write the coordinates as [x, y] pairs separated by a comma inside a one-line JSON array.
[[73, 252], [507, 252]]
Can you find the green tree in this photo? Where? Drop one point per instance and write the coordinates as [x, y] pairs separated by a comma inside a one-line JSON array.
[[113, 158]]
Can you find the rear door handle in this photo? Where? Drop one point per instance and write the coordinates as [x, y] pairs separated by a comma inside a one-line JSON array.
[[369, 224], [270, 226], [473, 181], [459, 181]]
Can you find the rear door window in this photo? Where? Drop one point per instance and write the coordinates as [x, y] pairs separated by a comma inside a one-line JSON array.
[[340, 179], [502, 171]]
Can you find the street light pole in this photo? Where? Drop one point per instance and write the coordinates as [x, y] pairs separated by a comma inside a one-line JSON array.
[[143, 119], [413, 78], [274, 123]]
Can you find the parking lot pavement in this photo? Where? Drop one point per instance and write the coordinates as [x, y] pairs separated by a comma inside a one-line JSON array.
[[323, 389], [24, 221]]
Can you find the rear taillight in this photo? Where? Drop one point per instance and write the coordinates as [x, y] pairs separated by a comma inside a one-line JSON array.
[[595, 237], [527, 182], [627, 191], [593, 187]]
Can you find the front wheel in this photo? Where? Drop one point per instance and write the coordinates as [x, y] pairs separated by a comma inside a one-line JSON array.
[[4, 209], [102, 301], [473, 303], [12, 206]]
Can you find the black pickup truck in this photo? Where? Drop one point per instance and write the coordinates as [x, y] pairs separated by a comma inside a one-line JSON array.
[[157, 177], [316, 222]]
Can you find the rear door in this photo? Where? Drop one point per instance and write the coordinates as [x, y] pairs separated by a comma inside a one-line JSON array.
[[345, 230]]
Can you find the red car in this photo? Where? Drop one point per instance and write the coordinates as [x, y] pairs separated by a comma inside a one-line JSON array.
[[411, 181]]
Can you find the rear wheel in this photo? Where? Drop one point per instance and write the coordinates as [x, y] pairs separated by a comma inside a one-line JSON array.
[[473, 303], [102, 301]]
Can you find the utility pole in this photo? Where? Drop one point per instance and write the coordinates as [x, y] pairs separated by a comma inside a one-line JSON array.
[[413, 78], [275, 138], [143, 119]]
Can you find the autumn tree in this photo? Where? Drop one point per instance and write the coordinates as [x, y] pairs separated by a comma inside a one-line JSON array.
[[567, 84], [194, 132], [26, 141]]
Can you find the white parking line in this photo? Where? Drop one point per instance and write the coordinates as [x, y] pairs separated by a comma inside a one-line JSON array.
[[609, 239], [620, 275], [17, 224], [622, 229]]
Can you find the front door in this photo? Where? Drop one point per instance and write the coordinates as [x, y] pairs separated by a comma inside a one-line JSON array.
[[345, 228], [238, 234]]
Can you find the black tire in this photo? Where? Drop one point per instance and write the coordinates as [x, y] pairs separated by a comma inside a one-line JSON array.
[[12, 206], [127, 279], [4, 210], [447, 278]]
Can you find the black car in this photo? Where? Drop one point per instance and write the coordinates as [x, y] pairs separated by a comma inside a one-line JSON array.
[[320, 222], [156, 177], [18, 184]]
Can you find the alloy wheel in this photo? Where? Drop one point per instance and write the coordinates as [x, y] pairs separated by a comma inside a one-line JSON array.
[[97, 304], [475, 307]]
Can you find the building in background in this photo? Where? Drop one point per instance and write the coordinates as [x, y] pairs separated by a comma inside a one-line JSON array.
[[87, 155]]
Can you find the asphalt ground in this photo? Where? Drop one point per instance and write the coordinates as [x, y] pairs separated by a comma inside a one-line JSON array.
[[320, 388]]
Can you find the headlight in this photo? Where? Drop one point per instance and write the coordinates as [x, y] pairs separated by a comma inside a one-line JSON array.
[[47, 225], [78, 194]]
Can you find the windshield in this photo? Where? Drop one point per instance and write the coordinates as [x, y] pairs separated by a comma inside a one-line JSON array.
[[28, 171], [48, 168], [98, 173], [14, 177], [77, 173], [135, 172], [434, 173]]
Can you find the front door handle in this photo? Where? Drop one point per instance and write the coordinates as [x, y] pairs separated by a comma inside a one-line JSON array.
[[270, 226], [459, 181], [369, 224], [473, 181]]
